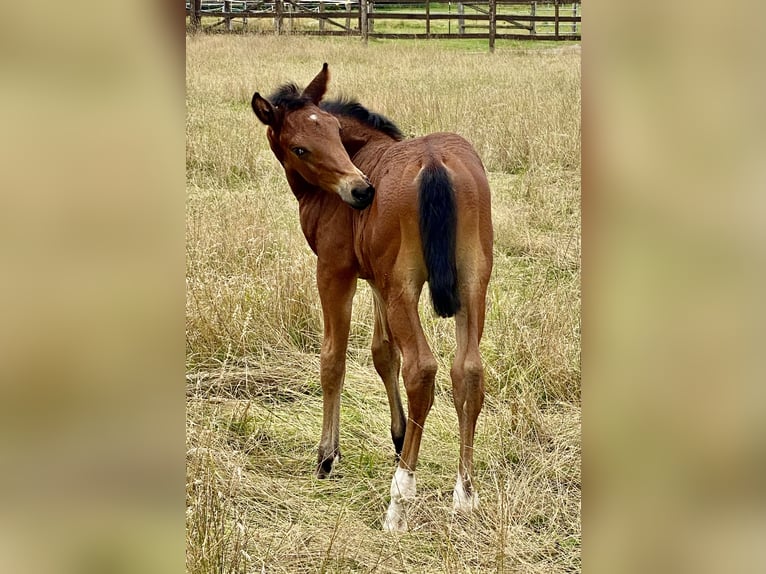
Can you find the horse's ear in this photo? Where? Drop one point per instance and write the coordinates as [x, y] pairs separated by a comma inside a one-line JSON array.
[[318, 86], [263, 109]]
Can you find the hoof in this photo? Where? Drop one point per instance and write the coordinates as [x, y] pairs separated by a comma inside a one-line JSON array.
[[463, 504], [464, 498], [325, 464], [395, 520]]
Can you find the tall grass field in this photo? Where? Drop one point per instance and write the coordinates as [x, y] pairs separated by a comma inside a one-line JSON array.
[[254, 323]]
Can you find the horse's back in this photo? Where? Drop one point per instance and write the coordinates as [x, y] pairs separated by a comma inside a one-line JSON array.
[[405, 161]]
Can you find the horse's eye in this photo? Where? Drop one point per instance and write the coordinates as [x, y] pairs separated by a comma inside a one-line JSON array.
[[299, 151]]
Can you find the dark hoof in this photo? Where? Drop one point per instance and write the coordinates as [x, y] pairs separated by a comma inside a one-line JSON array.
[[325, 464]]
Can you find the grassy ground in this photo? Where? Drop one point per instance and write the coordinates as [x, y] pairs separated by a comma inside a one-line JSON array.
[[254, 323]]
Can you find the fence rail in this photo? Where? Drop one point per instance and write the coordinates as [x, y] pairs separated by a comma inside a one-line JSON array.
[[495, 19]]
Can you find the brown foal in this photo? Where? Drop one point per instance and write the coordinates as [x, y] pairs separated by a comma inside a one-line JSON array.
[[396, 213]]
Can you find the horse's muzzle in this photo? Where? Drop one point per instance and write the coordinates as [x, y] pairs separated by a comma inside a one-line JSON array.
[[362, 196]]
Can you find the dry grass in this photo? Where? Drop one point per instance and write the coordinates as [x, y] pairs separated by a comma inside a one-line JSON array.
[[254, 324]]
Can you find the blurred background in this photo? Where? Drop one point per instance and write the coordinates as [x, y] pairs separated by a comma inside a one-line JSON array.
[[92, 280], [674, 253]]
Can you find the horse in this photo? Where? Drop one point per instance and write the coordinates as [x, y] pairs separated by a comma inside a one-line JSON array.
[[395, 212]]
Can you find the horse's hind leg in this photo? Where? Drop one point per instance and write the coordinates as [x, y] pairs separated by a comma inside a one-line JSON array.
[[468, 390], [419, 372], [386, 358]]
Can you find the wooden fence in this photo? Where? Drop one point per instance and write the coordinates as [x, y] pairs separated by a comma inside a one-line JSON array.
[[482, 19]]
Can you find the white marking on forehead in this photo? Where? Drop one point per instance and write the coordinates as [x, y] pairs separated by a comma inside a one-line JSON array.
[[313, 117]]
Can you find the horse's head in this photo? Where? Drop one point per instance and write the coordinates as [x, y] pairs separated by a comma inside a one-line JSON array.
[[306, 141]]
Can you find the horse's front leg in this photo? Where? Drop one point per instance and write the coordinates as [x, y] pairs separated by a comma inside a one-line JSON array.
[[336, 292]]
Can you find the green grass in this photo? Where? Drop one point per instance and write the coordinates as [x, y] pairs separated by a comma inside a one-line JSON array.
[[254, 322]]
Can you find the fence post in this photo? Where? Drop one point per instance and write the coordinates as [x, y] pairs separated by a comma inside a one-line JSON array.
[[196, 16], [321, 13], [492, 24], [348, 18], [363, 20], [371, 11], [460, 19], [533, 13], [574, 13], [428, 19], [278, 16], [557, 19], [227, 10]]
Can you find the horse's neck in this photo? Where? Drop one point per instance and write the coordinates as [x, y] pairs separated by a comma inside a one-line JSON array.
[[369, 155], [325, 223], [365, 155]]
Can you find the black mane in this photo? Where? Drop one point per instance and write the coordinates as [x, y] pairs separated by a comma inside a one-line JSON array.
[[289, 97], [353, 109]]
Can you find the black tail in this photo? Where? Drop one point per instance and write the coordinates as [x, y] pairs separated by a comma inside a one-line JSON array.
[[438, 227]]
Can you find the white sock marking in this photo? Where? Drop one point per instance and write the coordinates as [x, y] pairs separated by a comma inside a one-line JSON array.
[[403, 489], [461, 500]]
